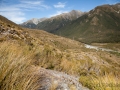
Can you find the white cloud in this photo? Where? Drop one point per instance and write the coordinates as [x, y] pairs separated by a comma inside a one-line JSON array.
[[16, 12], [59, 5], [17, 17], [13, 13], [31, 2], [58, 13], [6, 9]]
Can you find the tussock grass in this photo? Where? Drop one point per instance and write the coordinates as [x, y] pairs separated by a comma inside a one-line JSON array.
[[106, 82], [71, 67], [15, 68]]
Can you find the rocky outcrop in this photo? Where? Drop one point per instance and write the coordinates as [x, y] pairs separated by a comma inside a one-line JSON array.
[[54, 80], [11, 32]]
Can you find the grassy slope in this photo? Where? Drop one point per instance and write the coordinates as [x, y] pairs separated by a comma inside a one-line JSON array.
[[16, 66], [52, 52], [93, 67]]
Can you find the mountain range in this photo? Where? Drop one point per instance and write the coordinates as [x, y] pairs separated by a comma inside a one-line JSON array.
[[102, 24], [54, 23]]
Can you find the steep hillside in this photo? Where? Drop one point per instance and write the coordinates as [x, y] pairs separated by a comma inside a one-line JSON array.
[[101, 24], [15, 58], [4, 20], [12, 31], [49, 55]]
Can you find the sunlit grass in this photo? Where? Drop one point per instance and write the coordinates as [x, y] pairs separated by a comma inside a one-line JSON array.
[[106, 82], [15, 68]]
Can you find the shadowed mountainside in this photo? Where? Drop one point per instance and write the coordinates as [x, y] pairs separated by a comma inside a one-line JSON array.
[[101, 24]]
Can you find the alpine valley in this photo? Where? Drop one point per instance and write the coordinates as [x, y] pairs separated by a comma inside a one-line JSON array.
[[72, 51]]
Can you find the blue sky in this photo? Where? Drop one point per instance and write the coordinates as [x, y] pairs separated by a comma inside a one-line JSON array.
[[22, 10]]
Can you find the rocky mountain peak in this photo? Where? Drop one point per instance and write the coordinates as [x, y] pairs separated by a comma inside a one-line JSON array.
[[34, 21], [75, 11]]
